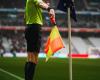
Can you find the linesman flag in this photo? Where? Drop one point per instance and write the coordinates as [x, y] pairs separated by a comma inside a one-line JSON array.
[[54, 42], [63, 5]]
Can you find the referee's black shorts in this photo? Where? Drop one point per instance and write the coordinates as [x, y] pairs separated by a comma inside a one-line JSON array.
[[33, 37]]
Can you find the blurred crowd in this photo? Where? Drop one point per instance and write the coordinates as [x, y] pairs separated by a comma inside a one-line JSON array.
[[12, 42], [88, 16], [13, 14]]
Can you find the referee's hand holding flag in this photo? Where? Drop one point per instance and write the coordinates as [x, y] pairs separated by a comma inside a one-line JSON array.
[[54, 42]]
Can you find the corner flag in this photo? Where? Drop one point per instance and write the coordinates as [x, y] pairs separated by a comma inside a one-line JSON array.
[[63, 5]]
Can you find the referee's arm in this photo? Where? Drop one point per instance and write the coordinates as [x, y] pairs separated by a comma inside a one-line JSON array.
[[44, 5]]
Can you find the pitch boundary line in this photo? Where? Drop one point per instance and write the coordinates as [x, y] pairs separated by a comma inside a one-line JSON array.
[[11, 74]]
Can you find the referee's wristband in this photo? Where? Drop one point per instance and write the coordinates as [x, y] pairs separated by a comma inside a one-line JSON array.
[[49, 8]]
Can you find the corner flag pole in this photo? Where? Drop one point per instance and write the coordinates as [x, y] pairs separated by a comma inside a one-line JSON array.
[[69, 41]]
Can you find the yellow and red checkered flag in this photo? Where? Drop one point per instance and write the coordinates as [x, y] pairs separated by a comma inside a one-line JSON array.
[[54, 43]]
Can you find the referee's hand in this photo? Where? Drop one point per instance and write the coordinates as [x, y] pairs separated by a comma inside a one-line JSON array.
[[52, 13]]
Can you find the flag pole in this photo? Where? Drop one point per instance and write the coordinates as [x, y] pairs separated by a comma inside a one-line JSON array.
[[69, 41]]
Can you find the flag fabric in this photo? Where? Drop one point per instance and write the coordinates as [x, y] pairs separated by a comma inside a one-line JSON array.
[[54, 43], [63, 5]]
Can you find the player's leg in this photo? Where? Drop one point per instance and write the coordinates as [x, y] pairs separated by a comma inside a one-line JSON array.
[[32, 57], [30, 65], [33, 39]]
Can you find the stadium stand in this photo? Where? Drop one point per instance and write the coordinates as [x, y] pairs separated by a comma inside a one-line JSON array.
[[85, 32], [77, 41], [12, 41], [13, 4], [93, 5], [95, 41], [12, 14]]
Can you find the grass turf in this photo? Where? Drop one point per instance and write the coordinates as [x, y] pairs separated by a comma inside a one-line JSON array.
[[54, 69]]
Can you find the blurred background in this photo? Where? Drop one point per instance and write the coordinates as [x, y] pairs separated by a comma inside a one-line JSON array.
[[85, 32], [85, 42]]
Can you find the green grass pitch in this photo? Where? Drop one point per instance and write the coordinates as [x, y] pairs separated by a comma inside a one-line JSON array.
[[54, 69]]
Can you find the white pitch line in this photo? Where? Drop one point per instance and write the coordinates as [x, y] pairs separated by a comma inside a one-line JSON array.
[[13, 75]]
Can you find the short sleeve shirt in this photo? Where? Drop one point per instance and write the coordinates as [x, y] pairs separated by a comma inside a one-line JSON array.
[[33, 13]]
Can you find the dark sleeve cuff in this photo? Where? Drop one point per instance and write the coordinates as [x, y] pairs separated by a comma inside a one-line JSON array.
[[49, 8]]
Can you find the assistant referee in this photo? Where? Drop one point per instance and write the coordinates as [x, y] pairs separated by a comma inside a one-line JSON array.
[[34, 21]]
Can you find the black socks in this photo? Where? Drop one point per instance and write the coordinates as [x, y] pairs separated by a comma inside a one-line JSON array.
[[29, 70]]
